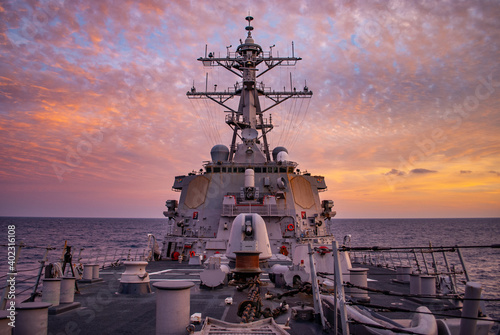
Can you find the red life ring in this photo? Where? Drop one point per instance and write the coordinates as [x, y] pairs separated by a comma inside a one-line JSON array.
[[175, 255], [290, 227], [192, 253]]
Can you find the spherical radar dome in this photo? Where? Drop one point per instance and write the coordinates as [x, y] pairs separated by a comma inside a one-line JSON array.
[[219, 153], [277, 150]]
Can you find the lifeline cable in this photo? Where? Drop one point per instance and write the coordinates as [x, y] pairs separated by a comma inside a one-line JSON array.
[[399, 309], [434, 249], [397, 294], [416, 295]]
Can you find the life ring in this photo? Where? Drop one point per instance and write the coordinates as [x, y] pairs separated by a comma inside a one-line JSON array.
[[192, 253], [290, 227], [175, 255], [323, 250]]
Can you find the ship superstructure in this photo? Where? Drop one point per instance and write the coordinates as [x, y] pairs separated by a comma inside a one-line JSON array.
[[247, 177]]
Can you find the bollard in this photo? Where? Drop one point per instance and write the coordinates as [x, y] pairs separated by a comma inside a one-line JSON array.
[[5, 329], [51, 291], [67, 290], [415, 283], [403, 273], [95, 271], [428, 285], [359, 277], [172, 307], [88, 272], [32, 318], [135, 279], [471, 308]]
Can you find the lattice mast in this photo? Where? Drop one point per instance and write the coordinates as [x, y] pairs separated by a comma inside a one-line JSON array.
[[243, 63]]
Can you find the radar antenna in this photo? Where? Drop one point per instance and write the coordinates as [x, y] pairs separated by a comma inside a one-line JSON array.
[[243, 63]]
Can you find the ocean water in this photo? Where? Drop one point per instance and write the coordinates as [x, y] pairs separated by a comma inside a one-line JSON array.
[[122, 237]]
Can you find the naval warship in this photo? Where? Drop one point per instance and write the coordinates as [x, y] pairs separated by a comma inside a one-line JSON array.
[[269, 248], [247, 176]]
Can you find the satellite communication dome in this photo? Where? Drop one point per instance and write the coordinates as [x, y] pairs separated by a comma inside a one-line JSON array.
[[276, 151], [219, 153]]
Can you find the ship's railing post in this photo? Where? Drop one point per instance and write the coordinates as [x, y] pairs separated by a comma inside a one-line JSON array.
[[425, 262], [392, 261], [416, 261], [434, 263], [114, 256], [318, 307], [98, 255], [105, 256], [339, 291], [466, 273], [79, 260], [42, 264], [452, 282]]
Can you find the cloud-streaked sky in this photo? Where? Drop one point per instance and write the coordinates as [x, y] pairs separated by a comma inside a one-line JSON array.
[[404, 120]]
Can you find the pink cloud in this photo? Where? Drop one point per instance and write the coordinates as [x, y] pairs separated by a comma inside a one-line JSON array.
[[383, 79]]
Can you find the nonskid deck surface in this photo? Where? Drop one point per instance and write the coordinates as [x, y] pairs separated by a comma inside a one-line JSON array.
[[384, 280], [104, 311]]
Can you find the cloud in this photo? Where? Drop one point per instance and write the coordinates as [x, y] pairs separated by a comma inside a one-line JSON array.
[[387, 79], [465, 171], [394, 172], [422, 171]]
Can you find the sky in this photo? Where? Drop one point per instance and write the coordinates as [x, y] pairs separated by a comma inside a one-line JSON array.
[[404, 120]]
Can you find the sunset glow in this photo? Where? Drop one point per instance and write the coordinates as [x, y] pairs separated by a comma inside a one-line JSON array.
[[404, 120]]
